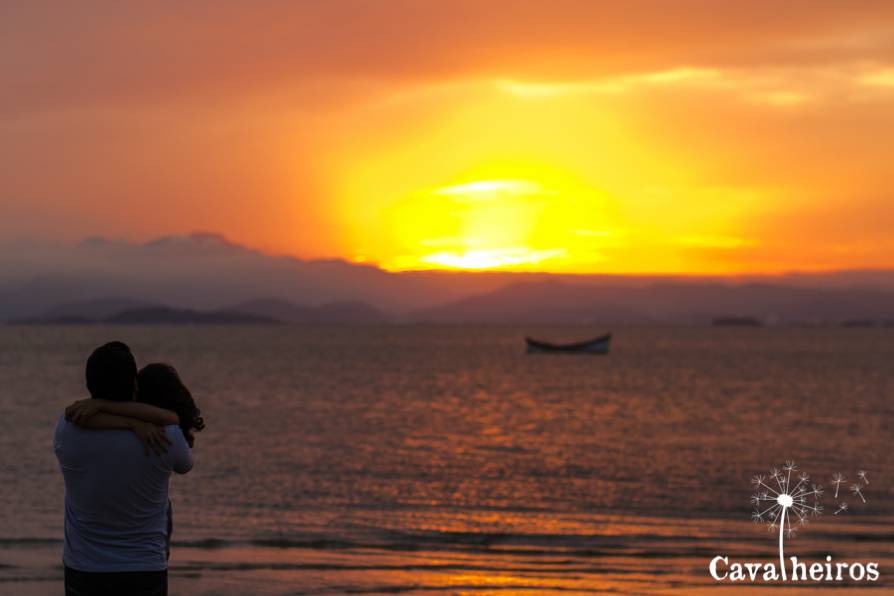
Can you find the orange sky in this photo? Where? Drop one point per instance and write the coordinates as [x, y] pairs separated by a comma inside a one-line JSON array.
[[694, 137]]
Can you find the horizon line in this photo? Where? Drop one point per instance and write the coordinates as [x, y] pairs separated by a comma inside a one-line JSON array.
[[87, 240]]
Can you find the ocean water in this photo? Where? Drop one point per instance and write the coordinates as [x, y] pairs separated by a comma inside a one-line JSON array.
[[443, 459]]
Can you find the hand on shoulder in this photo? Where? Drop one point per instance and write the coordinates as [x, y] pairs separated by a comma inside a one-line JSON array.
[[154, 438], [82, 410]]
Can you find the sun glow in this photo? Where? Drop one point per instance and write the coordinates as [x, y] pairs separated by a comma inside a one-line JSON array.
[[491, 259], [487, 189], [493, 215], [511, 223], [564, 181]]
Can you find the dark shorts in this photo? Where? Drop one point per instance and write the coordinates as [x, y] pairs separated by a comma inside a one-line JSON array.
[[131, 583]]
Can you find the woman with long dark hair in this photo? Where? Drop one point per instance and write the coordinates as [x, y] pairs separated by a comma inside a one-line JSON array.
[[159, 385]]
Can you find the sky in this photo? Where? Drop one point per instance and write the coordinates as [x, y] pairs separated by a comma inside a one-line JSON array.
[[567, 136]]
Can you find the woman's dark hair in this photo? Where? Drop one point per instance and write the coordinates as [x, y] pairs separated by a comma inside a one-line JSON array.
[[158, 384]]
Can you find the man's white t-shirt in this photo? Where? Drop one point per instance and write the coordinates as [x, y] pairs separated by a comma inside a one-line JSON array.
[[116, 497]]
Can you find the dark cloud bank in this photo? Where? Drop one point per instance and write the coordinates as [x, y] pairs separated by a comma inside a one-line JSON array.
[[206, 278]]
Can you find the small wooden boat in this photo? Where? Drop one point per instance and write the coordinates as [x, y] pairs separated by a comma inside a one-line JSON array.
[[598, 345]]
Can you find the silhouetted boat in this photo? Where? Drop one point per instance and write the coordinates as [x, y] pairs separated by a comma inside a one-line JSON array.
[[598, 345]]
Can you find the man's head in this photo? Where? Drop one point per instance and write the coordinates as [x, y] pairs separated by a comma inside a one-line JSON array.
[[112, 372]]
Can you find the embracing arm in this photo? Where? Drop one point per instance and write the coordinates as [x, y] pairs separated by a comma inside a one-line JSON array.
[[103, 421], [85, 409], [152, 436]]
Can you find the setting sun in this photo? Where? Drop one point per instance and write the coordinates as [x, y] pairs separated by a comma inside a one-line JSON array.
[[553, 177], [475, 225], [510, 224]]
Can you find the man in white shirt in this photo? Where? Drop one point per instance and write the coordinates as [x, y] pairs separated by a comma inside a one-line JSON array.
[[116, 495]]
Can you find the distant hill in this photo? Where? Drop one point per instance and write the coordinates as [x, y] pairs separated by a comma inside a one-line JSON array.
[[159, 315], [207, 272], [356, 313], [735, 321], [259, 311], [60, 320], [549, 302], [662, 303], [148, 315], [92, 309], [541, 302]]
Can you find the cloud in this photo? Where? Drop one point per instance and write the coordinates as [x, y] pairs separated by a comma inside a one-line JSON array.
[[770, 85], [882, 77], [682, 76], [139, 52], [716, 241], [294, 125], [781, 98]]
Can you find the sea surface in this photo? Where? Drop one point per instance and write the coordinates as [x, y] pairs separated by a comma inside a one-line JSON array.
[[445, 460]]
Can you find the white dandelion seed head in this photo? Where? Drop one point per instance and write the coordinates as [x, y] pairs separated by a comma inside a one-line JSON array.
[[784, 500]]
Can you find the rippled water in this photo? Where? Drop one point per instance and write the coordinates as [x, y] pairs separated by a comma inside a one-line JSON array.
[[445, 459]]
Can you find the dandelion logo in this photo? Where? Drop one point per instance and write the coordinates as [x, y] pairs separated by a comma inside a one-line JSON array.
[[862, 481], [785, 503], [838, 479]]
